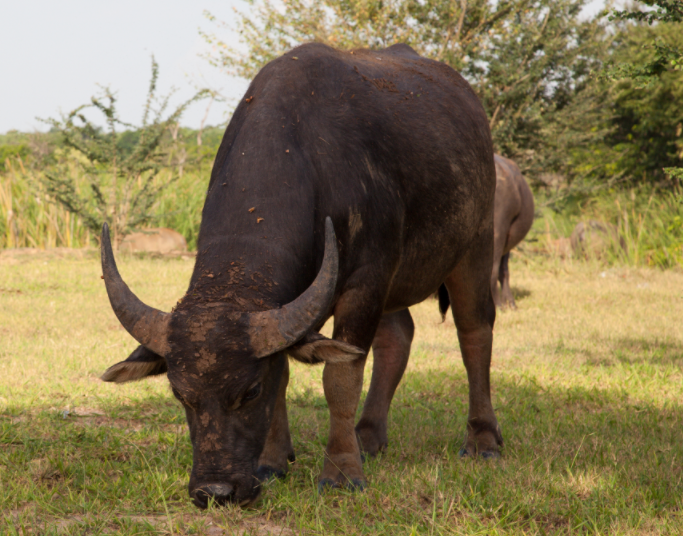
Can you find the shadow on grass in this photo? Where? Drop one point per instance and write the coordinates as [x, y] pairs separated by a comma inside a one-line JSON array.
[[608, 351], [575, 460], [641, 350], [519, 293], [573, 454]]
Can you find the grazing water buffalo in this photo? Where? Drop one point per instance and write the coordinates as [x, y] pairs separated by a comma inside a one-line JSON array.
[[594, 239], [159, 240], [348, 184], [513, 214]]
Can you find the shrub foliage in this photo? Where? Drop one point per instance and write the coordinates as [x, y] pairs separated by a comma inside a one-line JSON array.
[[120, 163]]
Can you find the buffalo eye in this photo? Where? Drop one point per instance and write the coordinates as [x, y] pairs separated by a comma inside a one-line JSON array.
[[252, 393]]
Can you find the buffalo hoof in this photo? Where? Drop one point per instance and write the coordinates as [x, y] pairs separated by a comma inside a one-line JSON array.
[[327, 483], [357, 484], [485, 445], [486, 454], [372, 439], [266, 472]]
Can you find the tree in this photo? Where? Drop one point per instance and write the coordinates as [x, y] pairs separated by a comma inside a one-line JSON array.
[[534, 79], [649, 69], [664, 57], [528, 60], [120, 162]]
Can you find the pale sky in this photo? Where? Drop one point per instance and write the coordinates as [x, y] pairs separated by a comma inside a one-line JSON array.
[[53, 55]]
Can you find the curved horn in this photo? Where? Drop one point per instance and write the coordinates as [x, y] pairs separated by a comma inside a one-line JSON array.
[[146, 325], [274, 330]]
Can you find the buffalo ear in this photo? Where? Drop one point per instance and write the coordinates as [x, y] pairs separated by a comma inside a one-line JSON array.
[[316, 348], [140, 364]]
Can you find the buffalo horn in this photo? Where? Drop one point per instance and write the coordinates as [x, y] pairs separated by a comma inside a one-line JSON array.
[[277, 329], [146, 325]]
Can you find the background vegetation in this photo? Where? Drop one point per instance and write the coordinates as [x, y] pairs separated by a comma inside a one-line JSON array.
[[30, 215], [591, 108]]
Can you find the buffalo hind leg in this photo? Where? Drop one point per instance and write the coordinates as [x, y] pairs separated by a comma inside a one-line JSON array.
[[499, 243], [391, 349], [278, 450], [507, 299], [474, 313]]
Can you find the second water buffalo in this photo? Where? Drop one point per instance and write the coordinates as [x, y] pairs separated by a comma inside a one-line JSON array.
[[594, 239], [157, 240], [513, 215]]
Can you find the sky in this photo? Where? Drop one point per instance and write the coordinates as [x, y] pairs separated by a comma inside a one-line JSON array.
[[55, 55]]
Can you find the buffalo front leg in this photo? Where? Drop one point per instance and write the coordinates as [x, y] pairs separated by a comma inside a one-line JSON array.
[[391, 349], [474, 313], [343, 382], [278, 450]]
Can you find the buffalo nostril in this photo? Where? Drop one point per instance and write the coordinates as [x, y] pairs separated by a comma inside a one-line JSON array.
[[199, 498], [220, 493]]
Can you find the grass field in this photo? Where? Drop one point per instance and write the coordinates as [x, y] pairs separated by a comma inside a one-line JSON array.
[[587, 383]]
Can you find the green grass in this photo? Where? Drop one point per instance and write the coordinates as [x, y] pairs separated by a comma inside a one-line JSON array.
[[587, 383]]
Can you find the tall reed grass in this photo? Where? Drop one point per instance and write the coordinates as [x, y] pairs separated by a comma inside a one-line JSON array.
[[31, 218], [649, 220], [180, 205]]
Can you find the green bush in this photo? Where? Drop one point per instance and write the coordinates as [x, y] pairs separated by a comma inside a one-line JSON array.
[[12, 151], [648, 219]]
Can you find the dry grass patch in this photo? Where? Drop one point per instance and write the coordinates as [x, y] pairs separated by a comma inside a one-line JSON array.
[[587, 382]]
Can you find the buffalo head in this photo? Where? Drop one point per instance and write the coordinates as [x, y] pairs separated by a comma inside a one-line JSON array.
[[225, 365]]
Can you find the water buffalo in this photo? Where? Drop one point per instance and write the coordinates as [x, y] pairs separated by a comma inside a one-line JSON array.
[[348, 184], [513, 214], [594, 239], [158, 240]]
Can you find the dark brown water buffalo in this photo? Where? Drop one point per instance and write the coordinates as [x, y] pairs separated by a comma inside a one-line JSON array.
[[513, 215], [341, 180]]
